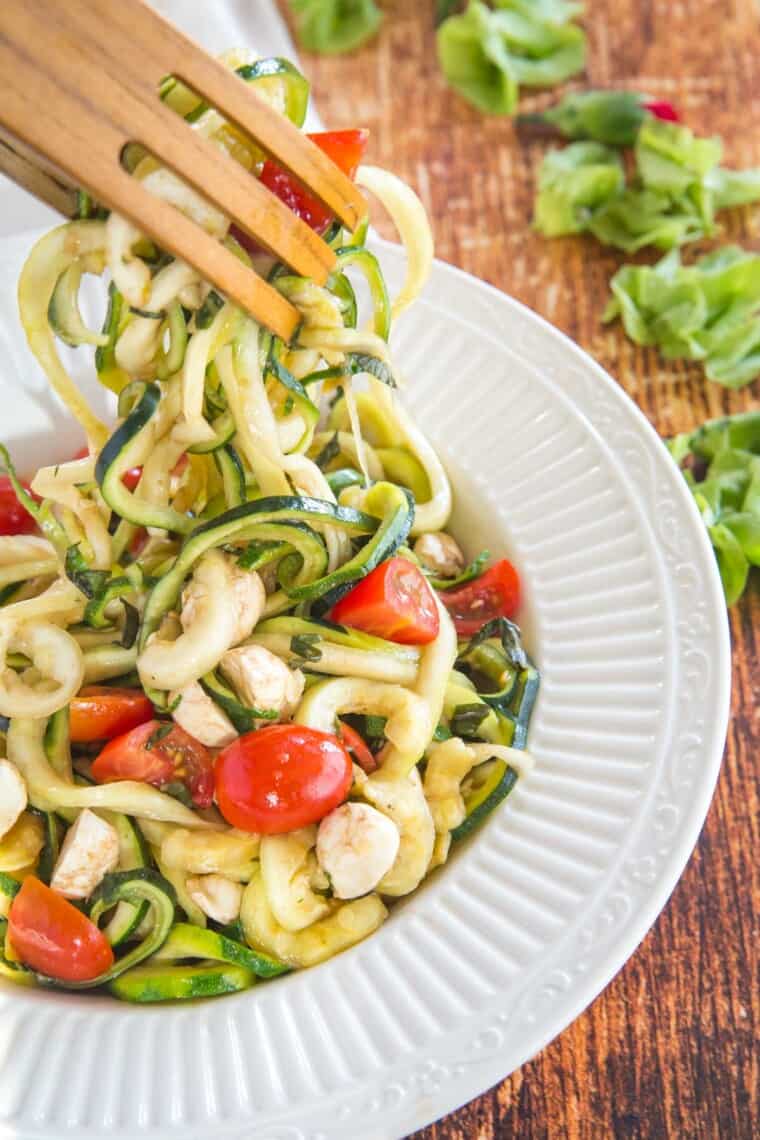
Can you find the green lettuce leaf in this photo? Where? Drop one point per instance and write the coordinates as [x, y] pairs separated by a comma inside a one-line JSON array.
[[709, 311], [611, 117], [573, 182], [642, 217], [734, 187], [552, 11], [721, 463], [475, 61], [485, 54], [333, 26], [673, 199], [670, 158]]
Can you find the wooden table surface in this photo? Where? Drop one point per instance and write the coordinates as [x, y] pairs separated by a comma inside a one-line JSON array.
[[670, 1049]]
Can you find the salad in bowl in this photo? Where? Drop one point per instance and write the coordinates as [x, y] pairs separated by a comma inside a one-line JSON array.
[[252, 691]]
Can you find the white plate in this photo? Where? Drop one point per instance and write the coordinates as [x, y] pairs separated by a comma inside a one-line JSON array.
[[485, 965]]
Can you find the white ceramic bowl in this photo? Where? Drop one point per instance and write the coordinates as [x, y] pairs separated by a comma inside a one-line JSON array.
[[471, 976]]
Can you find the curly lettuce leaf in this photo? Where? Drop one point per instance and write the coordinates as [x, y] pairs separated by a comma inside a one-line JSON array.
[[671, 158], [475, 60], [734, 187], [485, 54], [552, 11], [721, 463], [334, 26], [709, 311], [639, 217], [678, 187], [574, 182], [611, 117]]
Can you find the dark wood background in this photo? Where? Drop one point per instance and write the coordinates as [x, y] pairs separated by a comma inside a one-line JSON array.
[[670, 1049]]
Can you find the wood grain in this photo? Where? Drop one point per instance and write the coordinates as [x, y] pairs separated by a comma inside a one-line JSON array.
[[670, 1049]]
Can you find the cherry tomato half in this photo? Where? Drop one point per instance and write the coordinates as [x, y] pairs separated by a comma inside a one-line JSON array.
[[160, 753], [496, 593], [132, 477], [14, 519], [54, 938], [357, 747], [100, 713], [281, 777], [345, 148], [394, 601]]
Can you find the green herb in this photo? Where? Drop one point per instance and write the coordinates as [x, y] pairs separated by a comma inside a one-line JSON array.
[[40, 512], [721, 463], [304, 645], [158, 735], [89, 582], [507, 633], [335, 26], [359, 362], [177, 790], [442, 732], [474, 570], [330, 451], [288, 405], [467, 719], [149, 314], [208, 310], [486, 54], [258, 554], [611, 117], [131, 625], [709, 311]]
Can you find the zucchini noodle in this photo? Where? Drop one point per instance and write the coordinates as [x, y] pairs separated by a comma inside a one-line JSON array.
[[239, 722]]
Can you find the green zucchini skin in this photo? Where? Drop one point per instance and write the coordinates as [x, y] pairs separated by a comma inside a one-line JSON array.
[[231, 470], [342, 478], [188, 941], [392, 532], [54, 834], [224, 432], [239, 524], [505, 778], [134, 887], [243, 718], [363, 259], [133, 855], [157, 982], [123, 451]]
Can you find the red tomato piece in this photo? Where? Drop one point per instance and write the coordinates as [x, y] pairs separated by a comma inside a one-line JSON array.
[[496, 593], [160, 753], [54, 938], [281, 777], [345, 148], [662, 109], [100, 713], [394, 601], [357, 747], [14, 519], [131, 478]]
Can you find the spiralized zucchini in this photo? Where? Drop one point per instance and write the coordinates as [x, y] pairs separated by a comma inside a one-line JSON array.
[[345, 925], [56, 673], [196, 555]]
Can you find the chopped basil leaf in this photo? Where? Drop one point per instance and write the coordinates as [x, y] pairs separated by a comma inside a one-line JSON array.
[[304, 645], [329, 452], [178, 791], [467, 719], [158, 735]]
